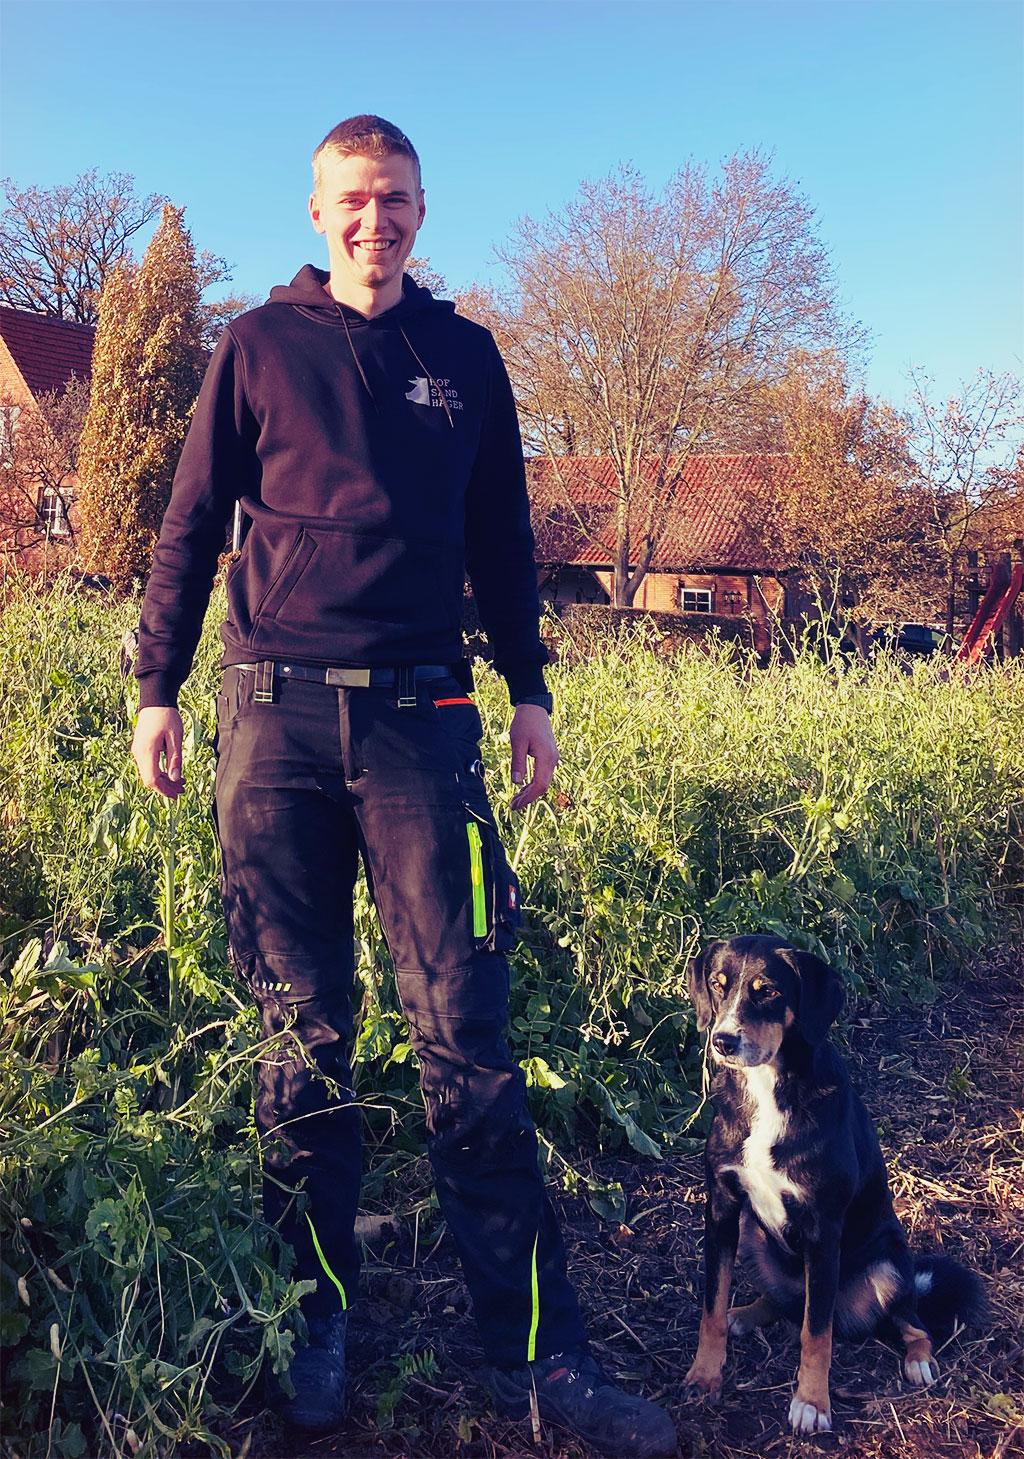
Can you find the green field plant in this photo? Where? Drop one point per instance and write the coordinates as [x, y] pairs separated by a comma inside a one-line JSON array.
[[871, 814]]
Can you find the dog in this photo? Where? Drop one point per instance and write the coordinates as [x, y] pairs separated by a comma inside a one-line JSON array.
[[797, 1184]]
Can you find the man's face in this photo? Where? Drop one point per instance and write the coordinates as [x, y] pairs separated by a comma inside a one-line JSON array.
[[369, 209]]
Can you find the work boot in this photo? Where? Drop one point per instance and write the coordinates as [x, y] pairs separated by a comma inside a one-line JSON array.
[[318, 1375], [572, 1391]]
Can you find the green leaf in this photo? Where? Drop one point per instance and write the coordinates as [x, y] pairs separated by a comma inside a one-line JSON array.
[[607, 1201], [36, 1369], [103, 1215], [640, 1142]]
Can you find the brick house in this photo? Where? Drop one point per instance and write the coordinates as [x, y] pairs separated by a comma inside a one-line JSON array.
[[709, 559], [38, 353]]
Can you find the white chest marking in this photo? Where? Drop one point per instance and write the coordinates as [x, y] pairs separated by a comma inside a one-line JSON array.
[[763, 1183]]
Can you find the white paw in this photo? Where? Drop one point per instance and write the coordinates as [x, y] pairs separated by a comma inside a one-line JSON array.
[[922, 1374], [808, 1418], [737, 1327]]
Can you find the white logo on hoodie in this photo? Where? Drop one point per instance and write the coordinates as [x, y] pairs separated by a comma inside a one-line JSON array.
[[420, 392]]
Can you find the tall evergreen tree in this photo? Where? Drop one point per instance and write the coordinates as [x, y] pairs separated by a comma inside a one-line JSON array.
[[147, 369]]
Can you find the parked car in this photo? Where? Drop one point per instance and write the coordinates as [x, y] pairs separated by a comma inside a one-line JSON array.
[[910, 638]]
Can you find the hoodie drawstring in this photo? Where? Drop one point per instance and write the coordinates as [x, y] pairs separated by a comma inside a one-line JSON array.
[[362, 372]]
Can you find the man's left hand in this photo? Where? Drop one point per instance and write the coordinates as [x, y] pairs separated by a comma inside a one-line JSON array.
[[532, 739]]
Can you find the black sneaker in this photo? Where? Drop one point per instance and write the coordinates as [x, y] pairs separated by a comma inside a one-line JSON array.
[[318, 1375], [574, 1392]]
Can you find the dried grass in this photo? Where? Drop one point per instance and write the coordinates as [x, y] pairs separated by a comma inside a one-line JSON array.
[[944, 1085]]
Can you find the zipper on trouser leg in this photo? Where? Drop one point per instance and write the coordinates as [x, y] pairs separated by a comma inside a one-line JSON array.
[[323, 1263], [476, 873]]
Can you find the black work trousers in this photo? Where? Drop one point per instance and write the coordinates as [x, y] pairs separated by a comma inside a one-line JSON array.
[[306, 785]]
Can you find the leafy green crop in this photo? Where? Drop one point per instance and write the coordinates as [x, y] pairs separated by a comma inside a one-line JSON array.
[[872, 815]]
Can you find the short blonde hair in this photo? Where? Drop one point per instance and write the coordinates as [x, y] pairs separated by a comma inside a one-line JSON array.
[[365, 136]]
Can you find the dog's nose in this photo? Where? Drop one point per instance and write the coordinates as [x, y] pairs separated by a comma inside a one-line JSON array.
[[725, 1043]]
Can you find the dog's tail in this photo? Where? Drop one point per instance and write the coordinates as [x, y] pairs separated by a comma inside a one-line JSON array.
[[948, 1295]]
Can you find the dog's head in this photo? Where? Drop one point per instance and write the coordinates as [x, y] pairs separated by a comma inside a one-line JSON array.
[[752, 990]]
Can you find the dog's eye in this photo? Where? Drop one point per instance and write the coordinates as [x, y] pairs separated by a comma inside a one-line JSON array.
[[718, 982], [763, 991]]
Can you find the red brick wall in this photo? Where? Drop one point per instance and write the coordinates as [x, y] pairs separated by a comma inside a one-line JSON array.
[[732, 594]]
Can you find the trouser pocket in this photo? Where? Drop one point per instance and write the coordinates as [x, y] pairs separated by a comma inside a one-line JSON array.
[[495, 887]]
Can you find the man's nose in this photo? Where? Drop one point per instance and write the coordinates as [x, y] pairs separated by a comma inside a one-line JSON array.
[[372, 216]]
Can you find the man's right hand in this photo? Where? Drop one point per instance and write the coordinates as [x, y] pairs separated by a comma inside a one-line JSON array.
[[156, 749]]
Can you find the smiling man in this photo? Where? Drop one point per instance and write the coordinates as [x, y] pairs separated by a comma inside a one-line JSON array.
[[369, 436]]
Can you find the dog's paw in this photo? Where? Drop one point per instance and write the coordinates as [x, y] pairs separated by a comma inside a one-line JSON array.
[[702, 1383], [807, 1418], [922, 1372]]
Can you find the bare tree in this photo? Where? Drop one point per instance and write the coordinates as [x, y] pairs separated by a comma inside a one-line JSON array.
[[968, 451], [38, 472], [844, 505], [58, 244], [643, 329], [427, 277]]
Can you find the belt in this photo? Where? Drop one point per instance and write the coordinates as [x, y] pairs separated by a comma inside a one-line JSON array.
[[403, 678]]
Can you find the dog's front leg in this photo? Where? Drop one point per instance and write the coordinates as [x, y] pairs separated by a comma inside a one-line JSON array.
[[811, 1409], [721, 1236]]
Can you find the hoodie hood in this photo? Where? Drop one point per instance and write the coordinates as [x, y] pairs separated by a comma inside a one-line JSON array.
[[308, 292]]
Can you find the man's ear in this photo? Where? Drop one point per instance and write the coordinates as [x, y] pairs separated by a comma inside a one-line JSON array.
[[697, 985], [820, 993], [314, 213]]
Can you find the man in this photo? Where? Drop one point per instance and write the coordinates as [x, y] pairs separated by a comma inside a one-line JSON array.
[[370, 436]]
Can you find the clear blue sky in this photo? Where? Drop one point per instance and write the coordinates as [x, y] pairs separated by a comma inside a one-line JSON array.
[[902, 121]]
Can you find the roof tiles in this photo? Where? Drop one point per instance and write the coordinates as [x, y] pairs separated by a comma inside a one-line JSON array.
[[47, 351], [709, 525]]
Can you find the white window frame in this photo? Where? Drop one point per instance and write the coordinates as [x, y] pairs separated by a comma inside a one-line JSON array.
[[706, 596], [8, 425], [53, 513]]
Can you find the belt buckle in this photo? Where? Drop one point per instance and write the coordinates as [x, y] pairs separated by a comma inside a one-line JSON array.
[[348, 678]]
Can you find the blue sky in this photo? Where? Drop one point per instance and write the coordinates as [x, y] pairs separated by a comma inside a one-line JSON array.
[[902, 122]]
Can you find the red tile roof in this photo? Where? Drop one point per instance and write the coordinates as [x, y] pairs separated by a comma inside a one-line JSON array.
[[709, 528], [47, 351]]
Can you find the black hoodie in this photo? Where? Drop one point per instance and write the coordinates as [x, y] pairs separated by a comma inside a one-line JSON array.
[[377, 462]]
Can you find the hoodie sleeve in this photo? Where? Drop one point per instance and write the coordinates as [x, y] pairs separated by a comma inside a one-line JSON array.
[[218, 464], [499, 543]]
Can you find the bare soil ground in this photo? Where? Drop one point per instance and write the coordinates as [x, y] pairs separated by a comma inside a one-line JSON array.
[[944, 1085]]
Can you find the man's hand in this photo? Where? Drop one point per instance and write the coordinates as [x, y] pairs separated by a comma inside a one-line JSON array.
[[156, 749], [532, 739]]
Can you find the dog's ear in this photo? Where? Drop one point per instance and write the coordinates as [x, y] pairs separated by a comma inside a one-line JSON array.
[[697, 983], [821, 993]]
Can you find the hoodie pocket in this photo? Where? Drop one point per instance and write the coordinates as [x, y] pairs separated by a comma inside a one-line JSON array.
[[308, 588], [296, 560]]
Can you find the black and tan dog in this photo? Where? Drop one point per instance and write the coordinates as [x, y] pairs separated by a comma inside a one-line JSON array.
[[796, 1181]]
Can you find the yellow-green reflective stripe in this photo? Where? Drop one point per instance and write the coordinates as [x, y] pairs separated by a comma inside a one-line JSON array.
[[323, 1263], [476, 874], [531, 1344]]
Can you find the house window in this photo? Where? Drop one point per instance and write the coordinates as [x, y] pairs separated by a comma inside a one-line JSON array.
[[8, 423], [695, 600], [54, 513]]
